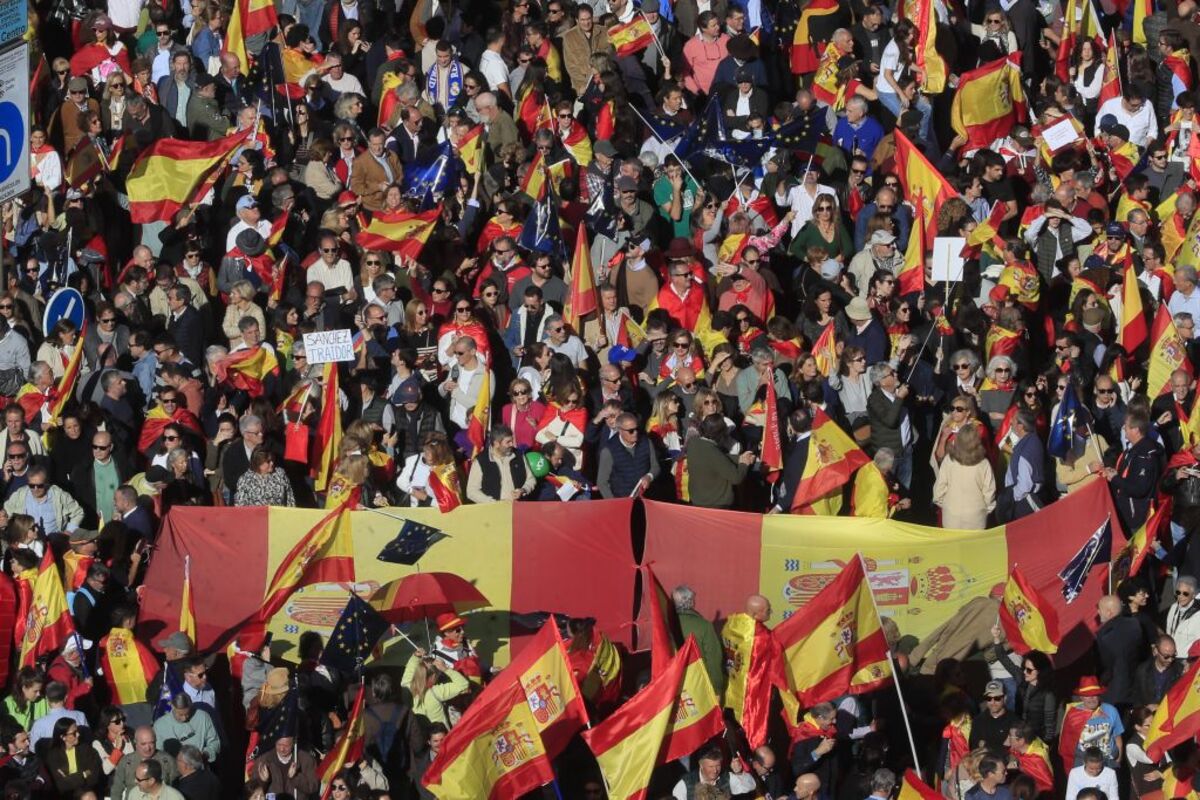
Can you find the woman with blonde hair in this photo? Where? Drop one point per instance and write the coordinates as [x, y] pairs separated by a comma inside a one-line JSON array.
[[964, 411], [353, 472], [966, 486], [429, 696], [241, 304]]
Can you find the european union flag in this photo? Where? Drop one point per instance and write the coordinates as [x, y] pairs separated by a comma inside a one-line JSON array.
[[172, 685], [1069, 423], [1096, 550], [278, 722], [665, 129], [354, 636], [541, 232], [412, 542], [434, 178]]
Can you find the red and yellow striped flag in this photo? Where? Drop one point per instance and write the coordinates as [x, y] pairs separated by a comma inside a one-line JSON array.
[[671, 717], [1029, 620], [349, 747], [470, 150], [66, 384], [834, 644], [247, 369], [1141, 544], [187, 605], [329, 429], [581, 299], [493, 753], [919, 176], [544, 674], [1167, 353], [825, 350], [631, 37], [805, 51], [662, 611], [534, 182], [989, 100], [911, 277], [1177, 717], [323, 555], [47, 624], [1133, 317], [480, 421], [913, 788], [168, 174], [756, 667], [832, 459], [578, 144], [930, 64], [400, 232]]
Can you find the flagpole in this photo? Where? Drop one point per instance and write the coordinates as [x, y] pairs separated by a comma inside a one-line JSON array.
[[654, 133], [895, 675], [662, 52]]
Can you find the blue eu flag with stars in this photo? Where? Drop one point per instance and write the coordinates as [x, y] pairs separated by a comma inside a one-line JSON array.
[[1069, 423], [1096, 550], [412, 542], [354, 636]]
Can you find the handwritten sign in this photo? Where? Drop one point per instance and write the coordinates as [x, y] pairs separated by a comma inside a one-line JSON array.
[[325, 346], [1060, 135]]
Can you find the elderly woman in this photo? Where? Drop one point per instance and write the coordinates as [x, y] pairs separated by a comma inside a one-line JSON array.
[[996, 391], [264, 484], [966, 486], [853, 388], [241, 304]]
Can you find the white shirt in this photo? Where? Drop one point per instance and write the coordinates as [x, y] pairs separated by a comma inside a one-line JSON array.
[[1179, 303], [124, 13], [492, 65], [263, 227], [1078, 780], [346, 83], [572, 348], [339, 276], [889, 60], [1143, 127], [800, 201], [1185, 632]]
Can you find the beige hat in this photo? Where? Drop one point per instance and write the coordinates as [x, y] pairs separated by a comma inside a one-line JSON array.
[[277, 685], [858, 310]]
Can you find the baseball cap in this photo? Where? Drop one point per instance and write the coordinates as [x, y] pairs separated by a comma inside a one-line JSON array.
[[993, 689], [882, 237], [246, 201], [626, 184]]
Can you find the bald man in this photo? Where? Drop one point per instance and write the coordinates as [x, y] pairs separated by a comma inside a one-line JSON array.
[[1120, 645], [758, 608], [807, 786]]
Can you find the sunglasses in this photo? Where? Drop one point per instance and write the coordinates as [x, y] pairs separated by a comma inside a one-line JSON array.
[[519, 393], [102, 447], [1002, 370], [1105, 391], [105, 321], [43, 486], [463, 309], [962, 366], [440, 291], [959, 409], [329, 249]]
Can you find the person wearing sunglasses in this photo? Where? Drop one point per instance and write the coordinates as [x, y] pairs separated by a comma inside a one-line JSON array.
[[51, 506]]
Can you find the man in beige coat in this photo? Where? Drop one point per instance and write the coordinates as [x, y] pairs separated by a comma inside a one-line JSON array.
[[375, 170], [578, 45]]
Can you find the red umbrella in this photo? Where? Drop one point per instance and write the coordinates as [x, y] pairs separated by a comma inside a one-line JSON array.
[[424, 595]]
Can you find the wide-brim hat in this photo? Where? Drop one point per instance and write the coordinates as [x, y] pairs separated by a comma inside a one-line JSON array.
[[1088, 686]]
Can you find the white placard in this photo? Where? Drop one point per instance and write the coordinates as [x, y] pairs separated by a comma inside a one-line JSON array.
[[325, 346], [1060, 135], [947, 258]]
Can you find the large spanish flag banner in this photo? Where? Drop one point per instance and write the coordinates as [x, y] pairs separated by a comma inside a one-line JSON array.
[[47, 624], [1167, 353], [671, 717], [1177, 717], [1029, 620], [919, 176], [989, 101], [167, 174], [400, 232], [548, 685], [835, 645], [922, 577], [494, 752], [513, 553]]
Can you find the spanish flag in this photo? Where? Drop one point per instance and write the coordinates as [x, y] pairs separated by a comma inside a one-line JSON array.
[[1129, 561], [323, 555], [1029, 620], [913, 788], [834, 644], [911, 277], [533, 112], [75, 569], [329, 429], [1000, 342], [1023, 281], [400, 231], [47, 624], [1177, 717], [581, 299], [825, 350], [445, 486], [804, 47], [988, 101], [470, 150], [631, 37], [534, 183], [918, 176], [542, 672], [771, 451], [31, 399], [986, 235], [128, 666], [1110, 85], [670, 718], [157, 421], [349, 746], [480, 421], [1124, 159], [832, 458], [187, 605], [578, 144], [493, 753], [1035, 762], [387, 98], [663, 622], [247, 369], [755, 665], [825, 86], [65, 390], [1133, 318], [168, 174], [930, 64], [1167, 353], [871, 496]]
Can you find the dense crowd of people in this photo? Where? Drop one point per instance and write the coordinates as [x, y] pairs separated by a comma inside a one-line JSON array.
[[678, 250]]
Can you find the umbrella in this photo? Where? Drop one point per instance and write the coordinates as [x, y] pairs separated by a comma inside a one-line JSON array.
[[424, 595]]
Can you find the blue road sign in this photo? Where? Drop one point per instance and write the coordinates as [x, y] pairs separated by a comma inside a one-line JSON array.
[[66, 303]]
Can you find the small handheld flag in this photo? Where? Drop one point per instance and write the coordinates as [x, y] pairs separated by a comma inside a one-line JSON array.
[[411, 543]]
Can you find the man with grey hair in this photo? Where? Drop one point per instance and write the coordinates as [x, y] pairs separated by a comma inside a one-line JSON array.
[[856, 132], [1023, 479], [145, 748], [463, 380], [235, 461], [692, 623], [1185, 297], [195, 781], [751, 377], [883, 781], [891, 426], [498, 125], [563, 341], [186, 724], [1183, 617]]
